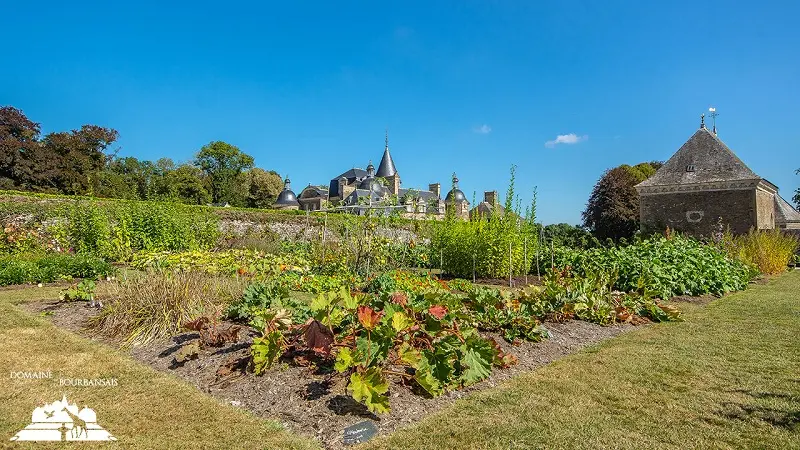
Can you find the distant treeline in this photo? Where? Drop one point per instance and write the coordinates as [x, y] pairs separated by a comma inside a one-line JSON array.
[[85, 162]]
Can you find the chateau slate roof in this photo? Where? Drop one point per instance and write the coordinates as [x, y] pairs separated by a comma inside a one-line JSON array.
[[386, 167], [425, 195], [784, 212], [352, 174], [287, 197], [708, 157]]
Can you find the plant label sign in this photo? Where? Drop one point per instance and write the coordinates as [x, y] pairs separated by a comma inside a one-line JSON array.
[[360, 432]]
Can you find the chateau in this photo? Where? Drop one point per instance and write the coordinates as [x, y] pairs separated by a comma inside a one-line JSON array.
[[705, 183], [360, 190]]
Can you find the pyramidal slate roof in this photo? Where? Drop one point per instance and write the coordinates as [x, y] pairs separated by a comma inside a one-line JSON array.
[[704, 158], [386, 167], [784, 212]]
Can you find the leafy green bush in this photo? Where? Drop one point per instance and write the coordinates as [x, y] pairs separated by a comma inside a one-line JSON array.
[[770, 251], [665, 267], [117, 230], [83, 291], [489, 246], [21, 269], [402, 280], [259, 296]]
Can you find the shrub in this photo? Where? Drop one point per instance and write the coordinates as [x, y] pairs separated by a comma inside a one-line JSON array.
[[158, 304], [769, 251], [401, 280], [665, 267], [22, 269], [118, 230], [258, 296], [493, 246]]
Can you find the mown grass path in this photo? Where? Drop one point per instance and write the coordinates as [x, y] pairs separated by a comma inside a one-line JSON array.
[[727, 377], [146, 410]]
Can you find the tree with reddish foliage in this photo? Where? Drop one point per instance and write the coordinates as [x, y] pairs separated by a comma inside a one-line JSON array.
[[81, 157], [612, 211], [66, 162], [19, 143]]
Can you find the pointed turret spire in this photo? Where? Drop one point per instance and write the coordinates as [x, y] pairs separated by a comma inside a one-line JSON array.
[[386, 167]]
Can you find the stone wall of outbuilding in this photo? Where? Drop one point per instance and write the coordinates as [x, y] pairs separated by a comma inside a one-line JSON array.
[[698, 213]]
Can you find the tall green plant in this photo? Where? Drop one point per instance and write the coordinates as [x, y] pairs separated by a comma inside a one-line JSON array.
[[492, 246]]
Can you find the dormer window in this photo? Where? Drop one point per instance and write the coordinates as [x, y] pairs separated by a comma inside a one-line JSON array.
[[690, 168]]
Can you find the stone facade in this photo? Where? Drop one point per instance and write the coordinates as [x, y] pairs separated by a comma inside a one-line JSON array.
[[698, 213]]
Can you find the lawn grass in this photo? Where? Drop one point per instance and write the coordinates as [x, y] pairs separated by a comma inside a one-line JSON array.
[[727, 377], [146, 410]]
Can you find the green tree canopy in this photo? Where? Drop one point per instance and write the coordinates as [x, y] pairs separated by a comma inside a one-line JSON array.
[[796, 197], [263, 187], [613, 207], [223, 163]]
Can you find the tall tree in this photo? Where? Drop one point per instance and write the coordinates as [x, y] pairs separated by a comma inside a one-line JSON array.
[[80, 155], [223, 163], [263, 187], [187, 185], [796, 197], [613, 207], [19, 144]]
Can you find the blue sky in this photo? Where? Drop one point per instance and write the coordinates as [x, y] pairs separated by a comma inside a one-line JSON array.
[[308, 88]]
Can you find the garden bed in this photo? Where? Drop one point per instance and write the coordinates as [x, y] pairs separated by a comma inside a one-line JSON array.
[[314, 402]]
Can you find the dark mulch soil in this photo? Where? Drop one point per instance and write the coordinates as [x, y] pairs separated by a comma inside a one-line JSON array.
[[520, 281], [312, 399]]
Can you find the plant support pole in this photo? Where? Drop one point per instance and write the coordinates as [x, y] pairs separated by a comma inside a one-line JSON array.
[[525, 249], [474, 255], [538, 274], [509, 263]]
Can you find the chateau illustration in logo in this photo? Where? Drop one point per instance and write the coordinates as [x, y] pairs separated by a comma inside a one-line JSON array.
[[62, 421]]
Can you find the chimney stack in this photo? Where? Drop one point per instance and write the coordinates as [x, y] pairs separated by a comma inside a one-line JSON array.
[[436, 188], [490, 197]]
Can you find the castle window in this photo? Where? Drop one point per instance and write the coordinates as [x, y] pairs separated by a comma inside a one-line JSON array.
[[690, 168]]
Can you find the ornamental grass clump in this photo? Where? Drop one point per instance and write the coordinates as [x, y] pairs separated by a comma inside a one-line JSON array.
[[770, 251], [156, 305]]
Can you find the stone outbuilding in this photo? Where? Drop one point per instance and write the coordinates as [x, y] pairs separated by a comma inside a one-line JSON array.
[[704, 184]]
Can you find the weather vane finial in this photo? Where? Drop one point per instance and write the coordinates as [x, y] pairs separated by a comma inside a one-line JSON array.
[[387, 137], [713, 114], [703, 120]]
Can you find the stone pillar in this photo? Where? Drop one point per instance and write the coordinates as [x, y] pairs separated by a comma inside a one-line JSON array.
[[436, 188]]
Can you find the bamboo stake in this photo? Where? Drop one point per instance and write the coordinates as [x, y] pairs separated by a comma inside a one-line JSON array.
[[509, 263]]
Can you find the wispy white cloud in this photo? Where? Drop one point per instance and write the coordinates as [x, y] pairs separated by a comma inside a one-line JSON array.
[[483, 129], [571, 138]]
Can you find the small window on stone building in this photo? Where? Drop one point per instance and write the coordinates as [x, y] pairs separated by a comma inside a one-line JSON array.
[[690, 168]]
